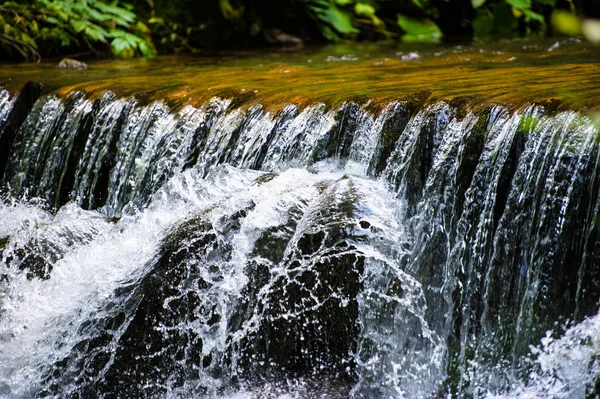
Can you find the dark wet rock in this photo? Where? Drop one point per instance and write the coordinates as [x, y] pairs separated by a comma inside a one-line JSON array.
[[213, 112], [278, 37], [35, 259], [152, 340], [410, 155], [322, 387], [3, 242], [69, 63], [53, 129], [593, 391], [267, 177], [309, 308], [140, 348], [96, 140], [19, 112], [337, 142], [154, 351], [47, 244], [393, 126]]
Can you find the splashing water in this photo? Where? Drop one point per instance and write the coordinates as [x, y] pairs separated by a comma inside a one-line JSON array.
[[317, 252]]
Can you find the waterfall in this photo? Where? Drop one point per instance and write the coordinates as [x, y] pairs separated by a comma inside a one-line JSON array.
[[397, 250]]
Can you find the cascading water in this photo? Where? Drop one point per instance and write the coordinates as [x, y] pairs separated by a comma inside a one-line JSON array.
[[221, 251]]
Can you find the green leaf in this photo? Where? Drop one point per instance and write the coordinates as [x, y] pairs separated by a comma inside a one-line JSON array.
[[483, 24], [65, 38], [34, 27], [96, 33], [146, 50], [505, 21], [118, 45], [128, 6], [52, 20], [421, 31], [121, 22], [418, 3], [328, 33], [62, 14], [97, 16], [566, 23], [520, 4], [229, 12], [340, 20], [531, 16], [477, 3], [141, 29], [78, 25], [364, 10], [27, 39], [323, 4]]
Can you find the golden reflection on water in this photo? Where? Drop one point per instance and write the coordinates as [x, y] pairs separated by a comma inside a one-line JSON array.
[[512, 74]]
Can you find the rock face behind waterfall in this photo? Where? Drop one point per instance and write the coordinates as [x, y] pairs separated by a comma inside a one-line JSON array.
[[410, 249]]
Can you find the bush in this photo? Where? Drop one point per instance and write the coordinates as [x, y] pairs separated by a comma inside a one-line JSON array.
[[34, 27]]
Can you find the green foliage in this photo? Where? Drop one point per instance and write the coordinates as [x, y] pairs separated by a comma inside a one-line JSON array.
[[172, 35], [520, 4], [28, 26], [334, 18], [477, 3], [565, 23], [420, 20], [419, 31]]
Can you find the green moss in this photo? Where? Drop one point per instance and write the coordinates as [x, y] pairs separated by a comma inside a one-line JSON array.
[[265, 178], [3, 242]]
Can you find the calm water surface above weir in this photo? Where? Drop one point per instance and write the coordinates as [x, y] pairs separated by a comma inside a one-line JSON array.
[[512, 73]]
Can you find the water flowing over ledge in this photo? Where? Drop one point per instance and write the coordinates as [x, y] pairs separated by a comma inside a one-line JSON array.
[[371, 249]]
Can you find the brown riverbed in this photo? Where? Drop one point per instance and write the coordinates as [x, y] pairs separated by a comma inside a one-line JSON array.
[[564, 71]]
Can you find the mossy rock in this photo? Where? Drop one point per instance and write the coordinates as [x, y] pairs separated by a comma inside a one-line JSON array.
[[139, 348], [4, 241], [36, 252], [303, 280], [309, 305], [154, 351]]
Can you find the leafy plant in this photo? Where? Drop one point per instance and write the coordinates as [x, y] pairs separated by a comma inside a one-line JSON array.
[[25, 27], [425, 20], [419, 31], [511, 17], [332, 16], [31, 28]]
